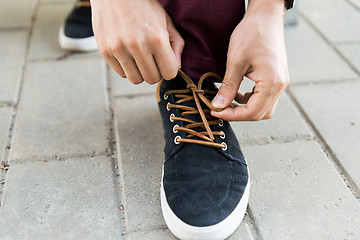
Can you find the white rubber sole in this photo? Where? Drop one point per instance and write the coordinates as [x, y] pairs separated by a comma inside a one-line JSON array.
[[218, 231], [73, 44]]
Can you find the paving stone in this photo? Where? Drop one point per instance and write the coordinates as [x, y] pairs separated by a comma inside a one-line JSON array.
[[306, 53], [352, 52], [44, 41], [62, 110], [5, 117], [242, 233], [285, 125], [297, 194], [338, 20], [158, 235], [333, 108], [72, 199], [13, 46], [123, 87], [16, 14], [141, 145]]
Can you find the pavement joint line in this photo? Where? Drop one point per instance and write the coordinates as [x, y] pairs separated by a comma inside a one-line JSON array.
[[159, 228], [22, 75], [13, 29], [341, 43], [331, 44], [65, 56], [114, 146], [120, 175], [17, 99], [254, 229], [58, 157], [323, 82], [331, 156], [7, 104], [275, 140], [130, 96], [353, 4]]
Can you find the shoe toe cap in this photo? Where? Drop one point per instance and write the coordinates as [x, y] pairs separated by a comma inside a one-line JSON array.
[[202, 186]]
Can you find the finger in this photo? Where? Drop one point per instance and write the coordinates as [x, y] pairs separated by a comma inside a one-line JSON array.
[[147, 67], [115, 65], [229, 87], [258, 105], [176, 41], [270, 114], [131, 70], [166, 62]]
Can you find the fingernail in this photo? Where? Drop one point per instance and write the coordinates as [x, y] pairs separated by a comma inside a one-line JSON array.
[[218, 101]]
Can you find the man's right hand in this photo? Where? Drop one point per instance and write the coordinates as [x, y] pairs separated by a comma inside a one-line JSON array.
[[138, 39]]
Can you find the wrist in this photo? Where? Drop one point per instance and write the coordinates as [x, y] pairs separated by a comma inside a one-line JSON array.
[[274, 9]]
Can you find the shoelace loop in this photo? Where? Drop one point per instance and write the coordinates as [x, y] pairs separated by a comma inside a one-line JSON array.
[[196, 93]]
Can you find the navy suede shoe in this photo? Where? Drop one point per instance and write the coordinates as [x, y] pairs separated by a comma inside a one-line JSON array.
[[76, 33], [205, 184]]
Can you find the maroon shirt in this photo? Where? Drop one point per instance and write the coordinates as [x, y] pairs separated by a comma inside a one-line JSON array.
[[206, 26]]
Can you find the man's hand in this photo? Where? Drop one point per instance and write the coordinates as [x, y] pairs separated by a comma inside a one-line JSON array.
[[257, 51], [137, 38]]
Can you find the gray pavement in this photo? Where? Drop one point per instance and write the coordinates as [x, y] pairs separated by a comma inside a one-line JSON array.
[[81, 148]]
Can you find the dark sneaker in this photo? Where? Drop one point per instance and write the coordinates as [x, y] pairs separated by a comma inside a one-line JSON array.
[[76, 33], [205, 184]]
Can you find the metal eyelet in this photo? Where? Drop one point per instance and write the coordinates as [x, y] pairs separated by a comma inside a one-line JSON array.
[[167, 106], [222, 136], [224, 146], [221, 123], [166, 96], [175, 139], [171, 116], [174, 130]]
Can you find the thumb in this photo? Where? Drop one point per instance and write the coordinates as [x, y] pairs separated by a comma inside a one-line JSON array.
[[176, 41], [229, 87]]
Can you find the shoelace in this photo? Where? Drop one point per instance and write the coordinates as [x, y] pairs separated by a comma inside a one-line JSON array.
[[83, 3], [196, 93]]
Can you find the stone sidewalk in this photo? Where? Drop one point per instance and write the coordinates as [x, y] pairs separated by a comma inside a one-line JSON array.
[[82, 149]]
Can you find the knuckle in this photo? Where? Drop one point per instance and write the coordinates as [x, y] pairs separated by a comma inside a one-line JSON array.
[[227, 85], [155, 40], [152, 81], [282, 83], [254, 117], [115, 47], [170, 74], [132, 42], [268, 116], [135, 81], [104, 52], [181, 43], [152, 78]]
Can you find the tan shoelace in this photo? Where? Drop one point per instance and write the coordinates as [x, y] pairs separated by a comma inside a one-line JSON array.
[[193, 92], [85, 3]]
